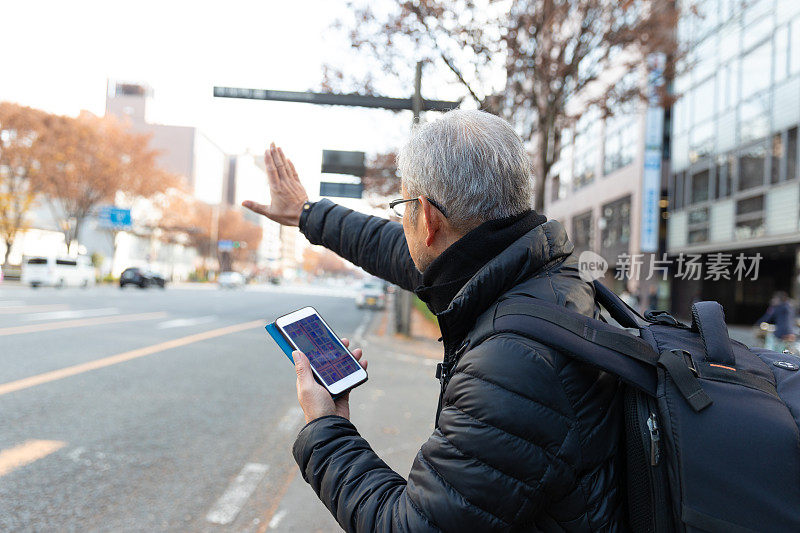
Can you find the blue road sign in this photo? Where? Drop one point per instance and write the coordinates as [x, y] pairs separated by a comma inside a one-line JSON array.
[[114, 217]]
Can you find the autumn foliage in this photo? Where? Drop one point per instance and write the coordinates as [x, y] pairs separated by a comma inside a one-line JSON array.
[[187, 220], [86, 161], [21, 130]]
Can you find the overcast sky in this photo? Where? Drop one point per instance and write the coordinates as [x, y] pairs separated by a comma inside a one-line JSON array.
[[60, 54]]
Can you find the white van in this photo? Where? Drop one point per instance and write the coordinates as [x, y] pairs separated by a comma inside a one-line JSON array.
[[58, 271]]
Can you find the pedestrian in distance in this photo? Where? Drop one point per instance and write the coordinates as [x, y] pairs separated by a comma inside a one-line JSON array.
[[526, 438], [782, 314]]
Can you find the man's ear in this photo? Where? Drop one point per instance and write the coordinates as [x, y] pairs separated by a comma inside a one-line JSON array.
[[431, 219]]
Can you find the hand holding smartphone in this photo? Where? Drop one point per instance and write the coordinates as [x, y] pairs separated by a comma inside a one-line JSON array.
[[333, 365]]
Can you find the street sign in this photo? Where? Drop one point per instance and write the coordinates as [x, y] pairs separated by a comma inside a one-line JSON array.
[[651, 175], [340, 190], [341, 162], [111, 217], [353, 100], [228, 245]]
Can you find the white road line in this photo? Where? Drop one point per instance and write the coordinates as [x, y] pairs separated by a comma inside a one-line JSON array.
[[277, 519], [78, 313], [292, 419], [358, 334], [240, 489], [11, 303], [26, 453], [184, 322]]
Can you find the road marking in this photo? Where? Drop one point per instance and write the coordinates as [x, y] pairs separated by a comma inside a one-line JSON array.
[[26, 453], [183, 322], [7, 310], [291, 419], [277, 518], [240, 489], [358, 334], [11, 303], [35, 328], [55, 375], [77, 313]]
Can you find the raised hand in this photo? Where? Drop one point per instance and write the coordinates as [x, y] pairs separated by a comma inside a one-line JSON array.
[[286, 192]]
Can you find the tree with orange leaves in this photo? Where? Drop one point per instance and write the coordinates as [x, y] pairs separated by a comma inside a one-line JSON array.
[[233, 226], [87, 160], [20, 144]]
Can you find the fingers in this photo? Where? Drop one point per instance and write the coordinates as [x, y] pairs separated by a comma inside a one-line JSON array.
[[273, 177], [280, 162], [261, 209], [302, 368], [358, 353], [292, 172]]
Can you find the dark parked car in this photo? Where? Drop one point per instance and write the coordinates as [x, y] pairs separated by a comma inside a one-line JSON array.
[[141, 278]]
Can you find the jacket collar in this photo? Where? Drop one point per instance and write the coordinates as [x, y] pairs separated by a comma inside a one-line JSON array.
[[539, 248]]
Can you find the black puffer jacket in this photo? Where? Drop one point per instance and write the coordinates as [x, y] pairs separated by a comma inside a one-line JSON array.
[[526, 439]]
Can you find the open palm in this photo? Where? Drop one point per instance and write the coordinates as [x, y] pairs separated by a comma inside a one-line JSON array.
[[287, 194]]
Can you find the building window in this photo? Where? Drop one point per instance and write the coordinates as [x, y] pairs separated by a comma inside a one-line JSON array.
[[616, 228], [582, 232], [703, 96], [791, 154], [750, 217], [794, 46], [751, 167], [697, 225], [678, 191], [586, 148], [781, 53], [754, 118], [724, 176], [776, 158], [555, 188], [620, 142], [702, 141], [700, 184], [756, 74]]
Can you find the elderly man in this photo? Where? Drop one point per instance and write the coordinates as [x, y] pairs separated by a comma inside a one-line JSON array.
[[526, 438]]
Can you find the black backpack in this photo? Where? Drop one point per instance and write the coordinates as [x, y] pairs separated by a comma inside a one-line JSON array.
[[711, 426]]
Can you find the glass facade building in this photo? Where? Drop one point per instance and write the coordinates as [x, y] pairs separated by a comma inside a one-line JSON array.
[[734, 184]]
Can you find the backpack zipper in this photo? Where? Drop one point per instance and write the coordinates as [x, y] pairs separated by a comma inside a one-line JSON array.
[[655, 440]]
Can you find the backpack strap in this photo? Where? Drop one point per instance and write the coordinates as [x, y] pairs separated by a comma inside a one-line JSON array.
[[601, 345], [708, 318], [618, 309], [583, 338]]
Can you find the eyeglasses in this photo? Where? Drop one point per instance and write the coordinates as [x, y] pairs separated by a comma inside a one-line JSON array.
[[398, 206]]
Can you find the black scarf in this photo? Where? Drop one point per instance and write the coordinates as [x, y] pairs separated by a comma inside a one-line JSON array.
[[449, 272]]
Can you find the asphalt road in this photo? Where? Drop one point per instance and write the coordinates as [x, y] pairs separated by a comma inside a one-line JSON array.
[[172, 410]]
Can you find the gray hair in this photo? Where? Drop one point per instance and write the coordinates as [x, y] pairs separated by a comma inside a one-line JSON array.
[[472, 163]]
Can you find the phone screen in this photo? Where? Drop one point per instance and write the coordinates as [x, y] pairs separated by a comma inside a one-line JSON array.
[[328, 357]]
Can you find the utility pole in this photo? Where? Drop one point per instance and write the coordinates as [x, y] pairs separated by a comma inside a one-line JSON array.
[[403, 300], [416, 104]]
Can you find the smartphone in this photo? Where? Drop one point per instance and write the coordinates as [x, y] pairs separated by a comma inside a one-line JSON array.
[[332, 363]]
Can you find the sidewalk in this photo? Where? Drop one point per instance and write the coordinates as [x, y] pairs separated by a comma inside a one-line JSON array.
[[394, 411]]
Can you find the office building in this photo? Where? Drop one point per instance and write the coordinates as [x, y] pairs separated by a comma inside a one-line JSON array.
[[734, 192]]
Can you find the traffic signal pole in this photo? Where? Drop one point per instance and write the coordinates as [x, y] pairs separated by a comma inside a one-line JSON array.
[[403, 300], [416, 104]]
